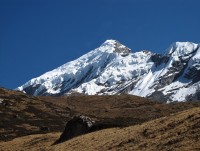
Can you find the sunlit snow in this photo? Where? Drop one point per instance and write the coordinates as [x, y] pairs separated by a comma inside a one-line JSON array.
[[113, 69]]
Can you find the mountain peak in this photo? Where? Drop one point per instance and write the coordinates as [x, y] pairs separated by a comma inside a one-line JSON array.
[[182, 48], [116, 46], [113, 69], [110, 41]]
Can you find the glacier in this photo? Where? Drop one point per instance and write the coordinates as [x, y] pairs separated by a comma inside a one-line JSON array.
[[113, 69]]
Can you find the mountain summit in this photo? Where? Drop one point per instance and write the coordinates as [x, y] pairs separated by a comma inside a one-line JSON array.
[[115, 46], [113, 68]]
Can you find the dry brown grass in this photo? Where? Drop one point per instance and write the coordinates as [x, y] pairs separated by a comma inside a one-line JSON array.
[[179, 131], [22, 114]]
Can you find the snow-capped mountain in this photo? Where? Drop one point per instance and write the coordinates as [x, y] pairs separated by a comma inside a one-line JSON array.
[[114, 69]]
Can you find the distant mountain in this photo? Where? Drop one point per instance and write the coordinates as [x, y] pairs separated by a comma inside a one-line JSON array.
[[113, 68]]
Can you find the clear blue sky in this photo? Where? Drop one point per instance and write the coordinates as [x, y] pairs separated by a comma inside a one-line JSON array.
[[39, 35]]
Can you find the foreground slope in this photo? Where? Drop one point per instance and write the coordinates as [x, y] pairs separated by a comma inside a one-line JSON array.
[[21, 114], [179, 131], [113, 68]]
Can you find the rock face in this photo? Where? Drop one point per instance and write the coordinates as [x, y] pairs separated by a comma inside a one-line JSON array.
[[121, 49], [113, 68], [79, 125]]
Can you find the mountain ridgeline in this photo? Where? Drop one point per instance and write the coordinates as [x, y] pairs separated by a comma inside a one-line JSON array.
[[113, 69]]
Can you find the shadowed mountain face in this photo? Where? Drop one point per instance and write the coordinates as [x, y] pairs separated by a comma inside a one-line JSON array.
[[21, 114], [113, 69]]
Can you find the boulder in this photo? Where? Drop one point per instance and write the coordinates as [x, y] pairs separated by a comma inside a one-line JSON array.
[[78, 125]]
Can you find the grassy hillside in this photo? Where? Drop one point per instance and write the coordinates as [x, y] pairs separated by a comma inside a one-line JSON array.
[[179, 131], [22, 114]]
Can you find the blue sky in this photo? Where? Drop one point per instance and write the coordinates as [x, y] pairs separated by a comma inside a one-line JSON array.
[[39, 35]]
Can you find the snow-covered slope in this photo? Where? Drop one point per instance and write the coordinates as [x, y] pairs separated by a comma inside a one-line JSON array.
[[170, 78], [114, 69]]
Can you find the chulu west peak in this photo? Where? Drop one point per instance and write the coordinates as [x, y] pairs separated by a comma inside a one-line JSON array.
[[113, 69]]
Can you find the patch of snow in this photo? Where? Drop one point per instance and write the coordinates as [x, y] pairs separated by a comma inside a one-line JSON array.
[[1, 100]]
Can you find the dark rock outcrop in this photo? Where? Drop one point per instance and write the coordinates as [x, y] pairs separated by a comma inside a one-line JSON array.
[[78, 125], [119, 48], [159, 59], [193, 74]]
